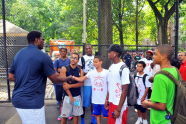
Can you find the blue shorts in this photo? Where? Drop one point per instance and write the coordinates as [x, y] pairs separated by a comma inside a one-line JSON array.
[[87, 95], [99, 109]]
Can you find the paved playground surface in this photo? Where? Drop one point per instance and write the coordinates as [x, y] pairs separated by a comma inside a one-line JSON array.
[[8, 114]]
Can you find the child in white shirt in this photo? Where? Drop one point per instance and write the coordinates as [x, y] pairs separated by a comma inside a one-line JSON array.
[[98, 78], [143, 85]]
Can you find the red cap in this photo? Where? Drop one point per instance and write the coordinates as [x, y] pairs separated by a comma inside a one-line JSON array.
[[149, 51]]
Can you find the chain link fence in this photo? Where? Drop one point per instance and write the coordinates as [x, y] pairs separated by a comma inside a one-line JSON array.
[[13, 38]]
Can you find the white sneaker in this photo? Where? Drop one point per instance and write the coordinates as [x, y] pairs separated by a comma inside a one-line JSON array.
[[139, 121], [145, 122]]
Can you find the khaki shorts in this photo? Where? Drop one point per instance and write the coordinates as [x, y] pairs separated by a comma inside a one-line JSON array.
[[32, 116], [72, 109]]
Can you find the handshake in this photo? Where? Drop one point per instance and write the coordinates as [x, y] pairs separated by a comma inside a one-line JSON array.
[[70, 78]]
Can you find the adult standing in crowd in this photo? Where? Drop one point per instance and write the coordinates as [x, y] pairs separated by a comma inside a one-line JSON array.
[[58, 64], [127, 59], [86, 63], [56, 56], [148, 61], [182, 58], [116, 100], [163, 93], [29, 70]]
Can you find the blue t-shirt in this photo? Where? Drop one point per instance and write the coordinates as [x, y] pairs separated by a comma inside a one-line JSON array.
[[31, 67], [60, 63]]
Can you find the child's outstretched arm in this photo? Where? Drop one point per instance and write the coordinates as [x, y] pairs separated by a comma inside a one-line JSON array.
[[79, 79]]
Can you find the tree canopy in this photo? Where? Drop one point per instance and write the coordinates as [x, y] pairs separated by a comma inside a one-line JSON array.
[[62, 19]]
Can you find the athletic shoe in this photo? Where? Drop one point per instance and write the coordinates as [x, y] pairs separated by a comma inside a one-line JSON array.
[[70, 118], [59, 117]]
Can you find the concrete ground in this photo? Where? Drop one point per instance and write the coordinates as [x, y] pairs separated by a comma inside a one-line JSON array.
[[8, 114]]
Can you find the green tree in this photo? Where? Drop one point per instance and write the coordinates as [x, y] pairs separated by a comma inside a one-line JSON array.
[[183, 23], [117, 17], [163, 10]]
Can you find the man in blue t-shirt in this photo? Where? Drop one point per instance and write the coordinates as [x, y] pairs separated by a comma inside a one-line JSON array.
[[30, 69], [58, 64]]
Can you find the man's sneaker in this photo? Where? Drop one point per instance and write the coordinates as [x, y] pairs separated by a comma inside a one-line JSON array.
[[59, 117], [139, 121]]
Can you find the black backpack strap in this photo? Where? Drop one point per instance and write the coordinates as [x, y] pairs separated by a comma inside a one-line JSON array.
[[83, 62], [144, 79], [135, 76], [121, 69]]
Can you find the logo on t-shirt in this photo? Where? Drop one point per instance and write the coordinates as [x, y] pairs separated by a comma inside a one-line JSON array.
[[118, 90], [98, 83]]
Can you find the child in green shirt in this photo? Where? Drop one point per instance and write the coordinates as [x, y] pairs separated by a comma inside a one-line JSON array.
[[163, 91]]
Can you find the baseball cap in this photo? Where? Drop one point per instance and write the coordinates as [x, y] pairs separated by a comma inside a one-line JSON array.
[[149, 51]]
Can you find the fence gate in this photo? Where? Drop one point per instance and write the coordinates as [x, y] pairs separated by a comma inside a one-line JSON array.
[[12, 39]]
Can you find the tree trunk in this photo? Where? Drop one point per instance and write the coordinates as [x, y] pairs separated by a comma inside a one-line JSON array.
[[163, 35], [104, 29], [120, 17], [137, 25], [121, 33]]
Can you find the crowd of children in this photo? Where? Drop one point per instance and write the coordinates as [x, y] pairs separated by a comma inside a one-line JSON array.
[[86, 84], [95, 80]]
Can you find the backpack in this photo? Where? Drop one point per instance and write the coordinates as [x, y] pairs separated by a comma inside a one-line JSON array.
[[179, 110], [83, 62], [132, 94], [144, 79]]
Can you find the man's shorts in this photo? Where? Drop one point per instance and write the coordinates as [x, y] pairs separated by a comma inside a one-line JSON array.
[[99, 109], [140, 108], [72, 109], [86, 95], [32, 116], [123, 115]]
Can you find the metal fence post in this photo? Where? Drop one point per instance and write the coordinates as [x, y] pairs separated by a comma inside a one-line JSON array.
[[5, 47], [176, 26]]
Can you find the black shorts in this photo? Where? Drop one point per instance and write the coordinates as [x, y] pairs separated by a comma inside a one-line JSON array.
[[140, 108]]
